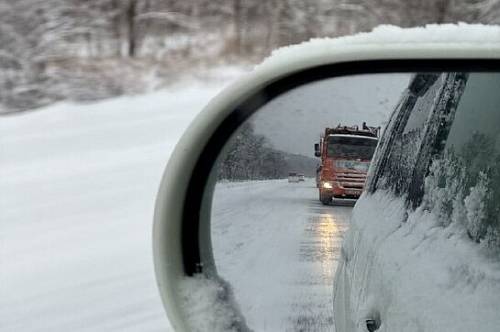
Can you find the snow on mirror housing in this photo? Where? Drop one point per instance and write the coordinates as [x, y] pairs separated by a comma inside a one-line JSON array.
[[195, 297]]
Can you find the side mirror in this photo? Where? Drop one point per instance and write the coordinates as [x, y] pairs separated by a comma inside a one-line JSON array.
[[317, 152], [194, 293]]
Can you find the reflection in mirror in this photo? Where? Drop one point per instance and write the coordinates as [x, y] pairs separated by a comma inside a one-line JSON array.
[[287, 181]]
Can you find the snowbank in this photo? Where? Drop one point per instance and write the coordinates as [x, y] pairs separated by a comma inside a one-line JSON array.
[[78, 188]]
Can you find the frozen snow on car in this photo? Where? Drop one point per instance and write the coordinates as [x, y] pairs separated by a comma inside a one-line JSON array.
[[421, 253]]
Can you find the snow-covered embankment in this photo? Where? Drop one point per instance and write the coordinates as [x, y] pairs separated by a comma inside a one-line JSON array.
[[78, 186]]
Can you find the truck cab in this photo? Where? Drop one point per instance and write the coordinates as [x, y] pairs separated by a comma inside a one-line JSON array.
[[345, 154]]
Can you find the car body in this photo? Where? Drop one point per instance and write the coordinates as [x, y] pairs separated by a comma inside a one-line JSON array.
[[421, 251], [293, 177], [302, 177]]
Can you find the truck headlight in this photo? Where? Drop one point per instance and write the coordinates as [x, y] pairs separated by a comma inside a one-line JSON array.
[[327, 185]]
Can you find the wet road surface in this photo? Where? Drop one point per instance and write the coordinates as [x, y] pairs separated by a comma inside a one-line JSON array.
[[278, 247], [317, 260]]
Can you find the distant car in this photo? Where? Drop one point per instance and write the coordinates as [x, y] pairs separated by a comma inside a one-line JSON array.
[[293, 177], [301, 177], [422, 251]]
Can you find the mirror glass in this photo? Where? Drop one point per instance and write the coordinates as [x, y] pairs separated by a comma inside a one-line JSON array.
[[276, 236]]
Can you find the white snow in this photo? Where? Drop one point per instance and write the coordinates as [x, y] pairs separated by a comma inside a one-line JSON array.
[[77, 186], [472, 35], [361, 137], [475, 205], [206, 303], [278, 247]]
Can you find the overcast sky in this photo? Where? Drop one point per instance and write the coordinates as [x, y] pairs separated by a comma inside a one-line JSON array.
[[294, 121]]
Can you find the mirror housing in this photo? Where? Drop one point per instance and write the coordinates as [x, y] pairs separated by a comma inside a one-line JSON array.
[[317, 152], [181, 231]]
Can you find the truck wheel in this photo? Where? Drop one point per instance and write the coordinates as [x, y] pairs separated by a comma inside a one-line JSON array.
[[325, 200]]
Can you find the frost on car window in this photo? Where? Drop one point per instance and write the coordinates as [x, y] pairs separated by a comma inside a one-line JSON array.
[[463, 185], [397, 172]]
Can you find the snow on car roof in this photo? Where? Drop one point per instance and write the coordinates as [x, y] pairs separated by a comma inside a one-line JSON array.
[[357, 136]]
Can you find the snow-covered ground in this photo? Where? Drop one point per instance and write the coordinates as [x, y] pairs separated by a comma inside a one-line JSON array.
[[278, 247], [77, 187]]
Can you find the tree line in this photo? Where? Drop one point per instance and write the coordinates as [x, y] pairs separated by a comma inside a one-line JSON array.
[[249, 156], [52, 49]]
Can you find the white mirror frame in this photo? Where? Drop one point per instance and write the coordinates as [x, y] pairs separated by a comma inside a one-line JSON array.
[[167, 246]]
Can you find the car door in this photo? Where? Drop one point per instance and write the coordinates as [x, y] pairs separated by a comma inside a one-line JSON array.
[[401, 163]]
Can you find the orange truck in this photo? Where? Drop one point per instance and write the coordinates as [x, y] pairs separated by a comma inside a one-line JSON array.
[[345, 154]]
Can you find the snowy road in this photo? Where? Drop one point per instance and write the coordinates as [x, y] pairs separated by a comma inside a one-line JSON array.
[[278, 247]]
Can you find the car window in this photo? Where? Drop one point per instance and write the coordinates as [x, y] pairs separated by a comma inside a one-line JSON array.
[[379, 158], [396, 173], [445, 153], [464, 179]]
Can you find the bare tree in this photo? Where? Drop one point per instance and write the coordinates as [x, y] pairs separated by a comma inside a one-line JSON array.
[[46, 44]]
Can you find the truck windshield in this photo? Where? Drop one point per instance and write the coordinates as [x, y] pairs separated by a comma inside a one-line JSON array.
[[351, 147]]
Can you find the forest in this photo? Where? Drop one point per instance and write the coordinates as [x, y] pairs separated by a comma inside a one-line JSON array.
[[88, 50], [249, 156]]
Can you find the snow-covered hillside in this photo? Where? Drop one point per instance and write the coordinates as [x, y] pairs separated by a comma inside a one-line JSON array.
[[77, 188]]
